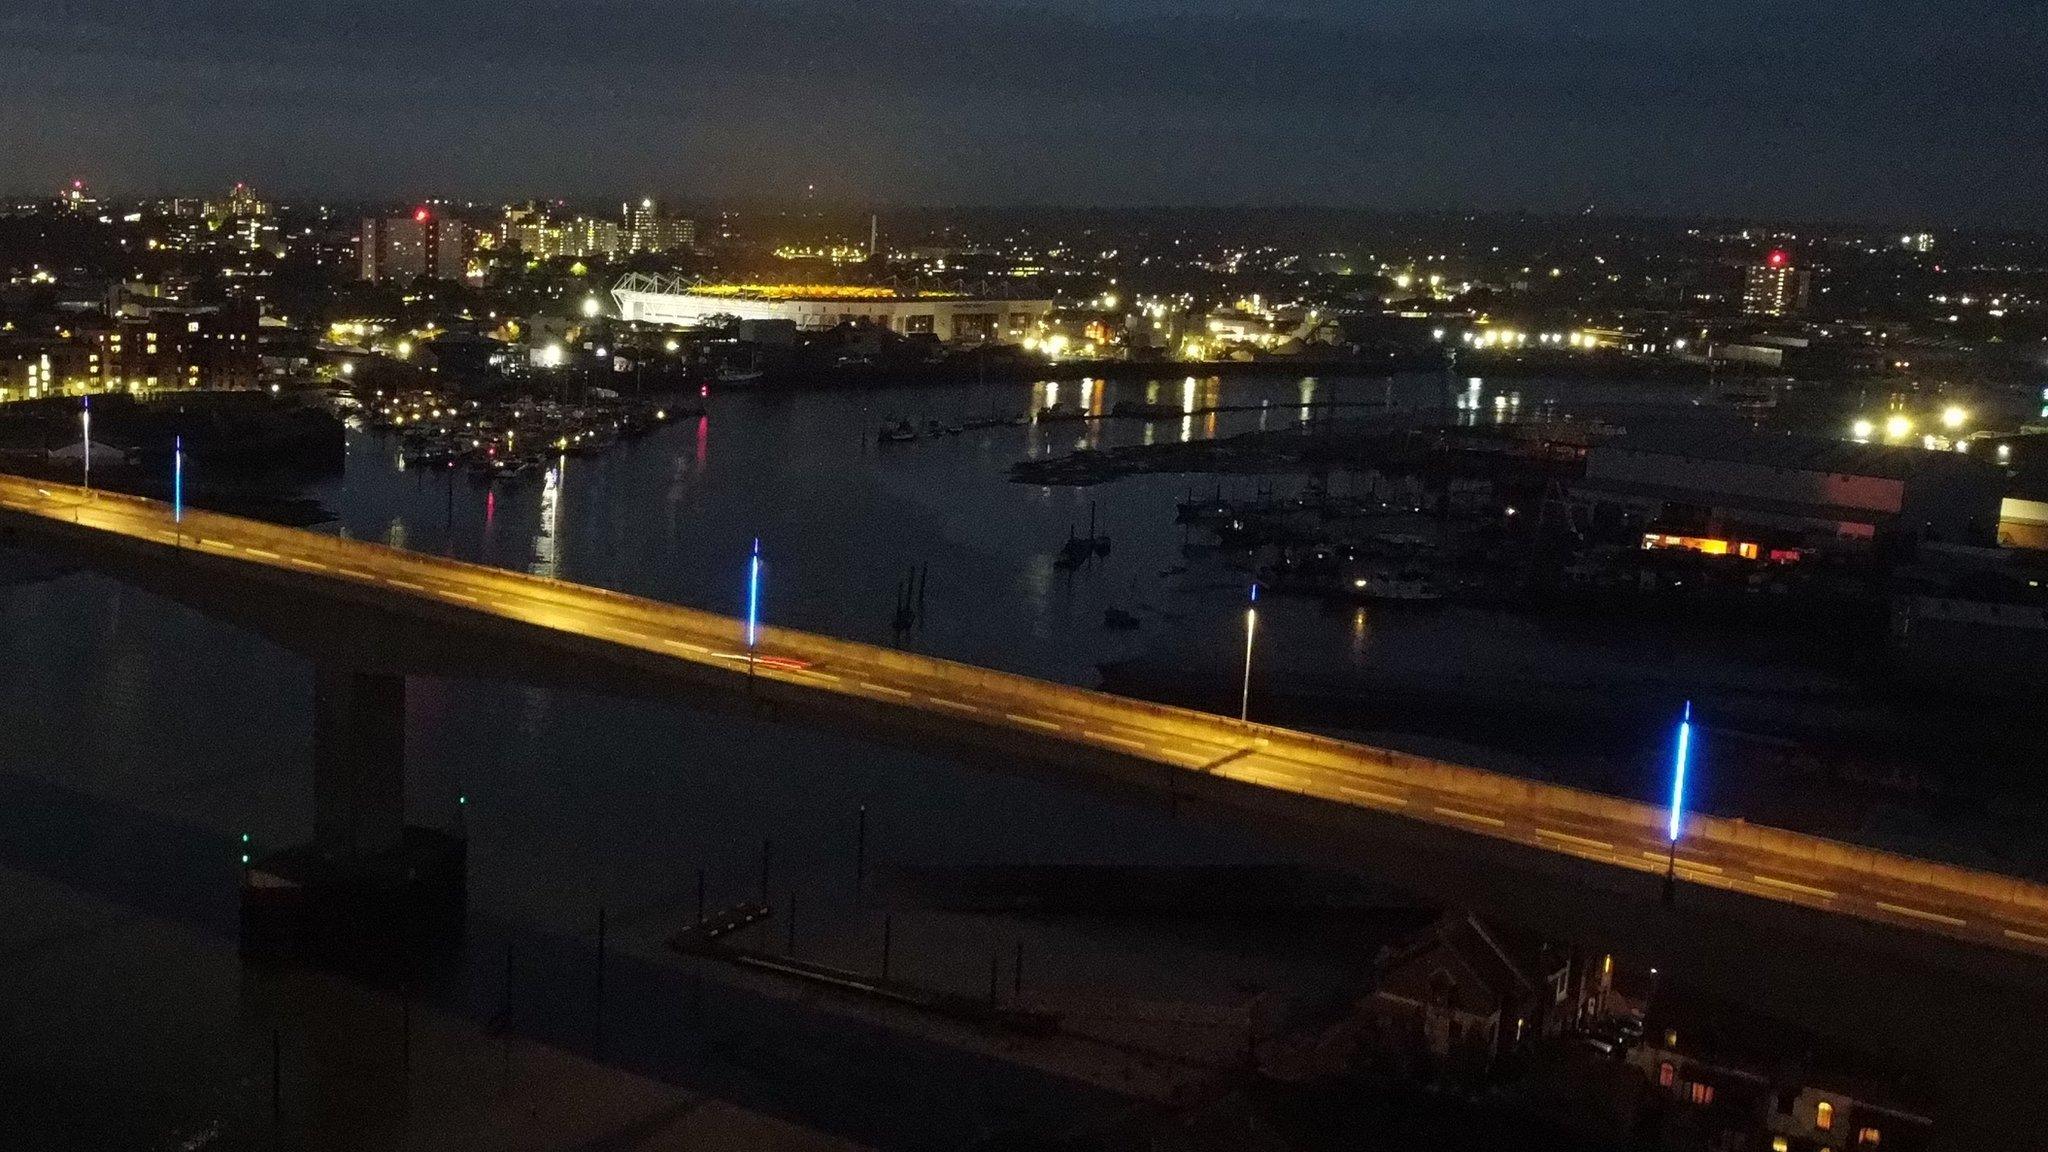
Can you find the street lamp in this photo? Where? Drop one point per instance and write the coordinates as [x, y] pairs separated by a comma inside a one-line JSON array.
[[1671, 828], [1251, 625], [177, 479], [85, 424]]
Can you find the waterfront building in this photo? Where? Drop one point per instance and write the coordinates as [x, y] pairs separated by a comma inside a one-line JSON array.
[[1721, 488], [949, 316]]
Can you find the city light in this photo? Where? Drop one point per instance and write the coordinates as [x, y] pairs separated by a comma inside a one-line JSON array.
[[1862, 430], [1953, 417], [1779, 258], [591, 307], [1898, 427]]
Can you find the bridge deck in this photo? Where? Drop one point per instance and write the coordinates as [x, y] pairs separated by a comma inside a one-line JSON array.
[[1758, 861]]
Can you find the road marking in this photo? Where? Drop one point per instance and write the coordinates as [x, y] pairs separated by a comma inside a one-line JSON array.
[[1663, 858], [1376, 797], [2027, 937], [265, 554], [1123, 740], [686, 646], [1568, 838], [166, 534], [641, 636], [1938, 918], [302, 562], [221, 545], [357, 574], [1461, 814], [1809, 889], [406, 584], [1253, 774], [814, 672], [883, 688], [956, 705], [1033, 721], [14, 503]]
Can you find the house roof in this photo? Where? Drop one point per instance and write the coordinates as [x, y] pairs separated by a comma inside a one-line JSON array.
[[1799, 453]]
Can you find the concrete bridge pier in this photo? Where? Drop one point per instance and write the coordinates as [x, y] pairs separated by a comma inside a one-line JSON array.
[[358, 763], [369, 893]]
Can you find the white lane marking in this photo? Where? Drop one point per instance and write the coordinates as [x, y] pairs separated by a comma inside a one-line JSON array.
[[640, 636], [355, 573], [1112, 739], [452, 594], [956, 705], [814, 672], [2027, 937], [14, 503], [1375, 797], [1461, 814], [883, 688], [264, 553], [1033, 721], [1938, 918], [217, 544], [166, 534], [1254, 774], [1569, 838], [302, 562], [406, 584], [1794, 886], [1695, 865], [686, 646]]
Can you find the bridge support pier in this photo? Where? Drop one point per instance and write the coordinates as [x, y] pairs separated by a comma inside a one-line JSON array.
[[358, 762], [369, 893]]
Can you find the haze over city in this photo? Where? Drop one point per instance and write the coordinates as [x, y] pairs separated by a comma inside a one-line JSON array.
[[1883, 109]]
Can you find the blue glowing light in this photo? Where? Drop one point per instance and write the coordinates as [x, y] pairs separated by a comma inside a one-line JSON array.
[[178, 479], [754, 594], [1255, 592], [1678, 764]]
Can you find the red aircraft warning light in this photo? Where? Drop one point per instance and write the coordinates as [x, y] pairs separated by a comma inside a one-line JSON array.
[[421, 214], [1779, 258]]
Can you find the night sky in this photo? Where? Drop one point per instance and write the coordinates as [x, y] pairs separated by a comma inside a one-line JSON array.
[[1900, 110]]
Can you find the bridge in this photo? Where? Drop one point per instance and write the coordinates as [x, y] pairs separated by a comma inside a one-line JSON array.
[[368, 616]]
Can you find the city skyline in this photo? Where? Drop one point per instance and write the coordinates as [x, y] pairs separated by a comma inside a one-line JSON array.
[[1833, 112]]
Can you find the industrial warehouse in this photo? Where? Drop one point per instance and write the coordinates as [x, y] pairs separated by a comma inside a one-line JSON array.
[[950, 316]]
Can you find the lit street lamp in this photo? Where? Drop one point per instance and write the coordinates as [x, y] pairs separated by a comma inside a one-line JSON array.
[[1671, 829], [85, 423], [177, 479], [1251, 624]]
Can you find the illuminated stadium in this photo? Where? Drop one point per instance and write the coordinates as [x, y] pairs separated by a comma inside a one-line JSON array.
[[950, 316]]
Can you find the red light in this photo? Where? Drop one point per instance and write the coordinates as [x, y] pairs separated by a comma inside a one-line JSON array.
[[1778, 258], [420, 215]]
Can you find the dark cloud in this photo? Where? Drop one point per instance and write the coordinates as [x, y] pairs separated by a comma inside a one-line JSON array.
[[1890, 108]]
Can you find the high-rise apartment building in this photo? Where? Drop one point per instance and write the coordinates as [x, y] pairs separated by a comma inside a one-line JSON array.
[[646, 228], [420, 246], [1775, 287]]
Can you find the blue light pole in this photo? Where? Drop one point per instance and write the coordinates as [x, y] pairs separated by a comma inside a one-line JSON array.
[[177, 479], [753, 604], [1679, 762], [85, 425]]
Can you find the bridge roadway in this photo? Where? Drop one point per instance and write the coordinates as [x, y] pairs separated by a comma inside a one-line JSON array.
[[1165, 747]]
